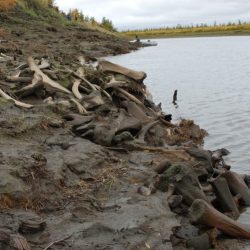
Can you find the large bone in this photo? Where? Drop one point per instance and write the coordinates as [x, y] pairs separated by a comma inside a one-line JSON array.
[[224, 196], [137, 112], [185, 181], [31, 88], [80, 107], [129, 96], [203, 213], [46, 80], [76, 84], [107, 66], [21, 79], [17, 103], [44, 64], [238, 186], [145, 129]]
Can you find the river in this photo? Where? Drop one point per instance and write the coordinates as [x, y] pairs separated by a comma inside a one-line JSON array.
[[212, 76]]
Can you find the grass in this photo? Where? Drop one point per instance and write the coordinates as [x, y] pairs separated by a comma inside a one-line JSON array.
[[218, 30]]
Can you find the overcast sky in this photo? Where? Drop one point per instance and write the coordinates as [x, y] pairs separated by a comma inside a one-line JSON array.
[[133, 14]]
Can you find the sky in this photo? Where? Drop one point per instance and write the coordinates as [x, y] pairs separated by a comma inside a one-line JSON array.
[[139, 14]]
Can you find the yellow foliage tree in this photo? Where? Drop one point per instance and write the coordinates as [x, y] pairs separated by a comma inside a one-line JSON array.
[[6, 5]]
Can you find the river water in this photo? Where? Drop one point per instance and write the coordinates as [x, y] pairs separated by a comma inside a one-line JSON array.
[[212, 76]]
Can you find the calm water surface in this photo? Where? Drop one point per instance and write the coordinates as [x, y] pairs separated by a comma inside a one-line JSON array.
[[212, 76]]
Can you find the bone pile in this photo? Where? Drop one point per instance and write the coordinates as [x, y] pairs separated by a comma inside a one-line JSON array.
[[211, 196]]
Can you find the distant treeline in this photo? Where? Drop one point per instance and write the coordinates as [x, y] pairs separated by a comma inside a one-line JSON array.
[[183, 30], [40, 7]]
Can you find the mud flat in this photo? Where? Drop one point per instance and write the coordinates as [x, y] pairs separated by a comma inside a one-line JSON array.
[[89, 161]]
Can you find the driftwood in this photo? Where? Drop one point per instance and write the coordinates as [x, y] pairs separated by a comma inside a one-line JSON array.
[[224, 196], [203, 213], [107, 66], [17, 103], [237, 185], [46, 80]]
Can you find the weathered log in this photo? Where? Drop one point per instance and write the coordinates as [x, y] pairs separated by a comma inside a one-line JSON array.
[[46, 80], [17, 103], [201, 212], [237, 185], [107, 66], [185, 181], [224, 196], [31, 88]]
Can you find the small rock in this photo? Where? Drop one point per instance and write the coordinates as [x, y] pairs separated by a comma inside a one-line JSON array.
[[144, 191]]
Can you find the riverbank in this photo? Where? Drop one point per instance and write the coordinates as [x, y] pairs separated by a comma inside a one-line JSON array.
[[85, 153], [233, 30]]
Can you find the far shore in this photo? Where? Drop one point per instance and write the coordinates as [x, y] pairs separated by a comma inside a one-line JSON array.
[[178, 34]]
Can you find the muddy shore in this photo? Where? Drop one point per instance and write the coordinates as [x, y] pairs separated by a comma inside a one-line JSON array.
[[91, 164]]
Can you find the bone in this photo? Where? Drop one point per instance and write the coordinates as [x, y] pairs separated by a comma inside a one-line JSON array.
[[21, 79], [76, 84], [224, 196], [238, 186], [80, 107], [185, 181], [46, 80], [44, 64], [203, 213], [144, 130], [17, 103], [107, 66], [31, 88]]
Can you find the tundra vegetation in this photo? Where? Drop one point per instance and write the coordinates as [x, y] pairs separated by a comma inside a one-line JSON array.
[[203, 29]]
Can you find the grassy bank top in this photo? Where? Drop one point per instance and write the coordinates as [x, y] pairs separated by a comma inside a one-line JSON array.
[[199, 30]]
